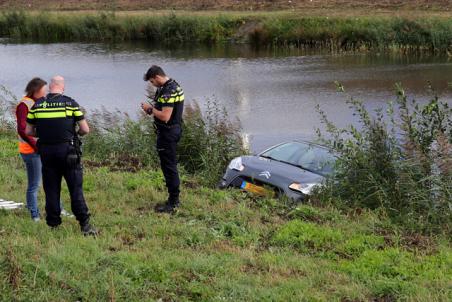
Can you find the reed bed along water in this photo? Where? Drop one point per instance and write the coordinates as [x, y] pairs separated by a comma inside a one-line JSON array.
[[339, 33]]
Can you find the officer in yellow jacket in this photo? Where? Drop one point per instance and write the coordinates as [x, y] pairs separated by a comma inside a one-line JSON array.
[[167, 110], [54, 120]]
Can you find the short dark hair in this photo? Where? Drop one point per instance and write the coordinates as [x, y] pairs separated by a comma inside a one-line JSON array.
[[34, 86], [153, 72]]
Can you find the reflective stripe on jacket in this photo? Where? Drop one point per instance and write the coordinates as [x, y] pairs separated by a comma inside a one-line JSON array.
[[25, 147]]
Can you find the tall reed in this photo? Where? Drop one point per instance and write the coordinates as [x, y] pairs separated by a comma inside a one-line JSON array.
[[209, 141], [399, 162], [332, 33], [119, 142]]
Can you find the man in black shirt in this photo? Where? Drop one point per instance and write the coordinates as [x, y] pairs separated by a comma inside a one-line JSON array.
[[53, 120], [167, 109]]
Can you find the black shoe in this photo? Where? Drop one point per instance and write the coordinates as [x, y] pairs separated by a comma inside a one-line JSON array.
[[89, 230], [168, 207]]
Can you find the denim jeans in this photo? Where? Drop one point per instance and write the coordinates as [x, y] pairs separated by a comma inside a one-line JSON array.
[[34, 174], [34, 167]]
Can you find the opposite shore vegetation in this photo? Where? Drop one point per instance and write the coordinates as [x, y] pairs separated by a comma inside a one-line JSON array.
[[335, 33]]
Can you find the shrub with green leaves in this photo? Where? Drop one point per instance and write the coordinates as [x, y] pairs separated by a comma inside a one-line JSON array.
[[399, 162], [118, 141], [209, 141]]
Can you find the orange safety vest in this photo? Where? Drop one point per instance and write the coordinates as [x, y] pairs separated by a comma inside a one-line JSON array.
[[25, 147]]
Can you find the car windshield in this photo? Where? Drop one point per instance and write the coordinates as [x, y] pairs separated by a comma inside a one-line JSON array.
[[310, 157]]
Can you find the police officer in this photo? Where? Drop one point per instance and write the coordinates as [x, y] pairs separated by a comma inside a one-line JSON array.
[[54, 119], [167, 110]]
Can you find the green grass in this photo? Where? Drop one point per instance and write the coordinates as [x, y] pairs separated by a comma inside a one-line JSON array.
[[221, 246], [335, 33]]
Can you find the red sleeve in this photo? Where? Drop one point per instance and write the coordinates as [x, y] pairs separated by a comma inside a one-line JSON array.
[[21, 115]]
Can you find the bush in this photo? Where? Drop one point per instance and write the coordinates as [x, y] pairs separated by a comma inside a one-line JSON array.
[[400, 163], [118, 141], [209, 141]]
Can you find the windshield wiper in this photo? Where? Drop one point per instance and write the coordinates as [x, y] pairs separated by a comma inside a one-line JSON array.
[[289, 163], [275, 159], [292, 164]]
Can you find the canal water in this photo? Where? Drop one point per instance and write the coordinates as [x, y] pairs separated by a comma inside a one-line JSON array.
[[273, 93]]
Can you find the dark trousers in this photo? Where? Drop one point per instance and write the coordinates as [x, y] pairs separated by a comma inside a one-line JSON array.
[[167, 139], [54, 168]]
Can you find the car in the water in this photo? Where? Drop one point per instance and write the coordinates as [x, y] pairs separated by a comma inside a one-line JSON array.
[[292, 169]]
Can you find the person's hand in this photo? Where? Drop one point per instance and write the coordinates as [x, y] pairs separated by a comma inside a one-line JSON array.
[[147, 107]]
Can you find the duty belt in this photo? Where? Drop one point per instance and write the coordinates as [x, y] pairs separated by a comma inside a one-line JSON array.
[[54, 143], [165, 126]]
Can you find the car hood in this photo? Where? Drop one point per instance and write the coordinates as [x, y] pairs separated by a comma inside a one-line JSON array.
[[269, 171]]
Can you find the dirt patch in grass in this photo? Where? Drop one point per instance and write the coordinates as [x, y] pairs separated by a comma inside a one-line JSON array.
[[13, 269], [379, 299], [128, 239], [386, 298], [410, 242], [418, 242], [123, 163], [92, 164], [225, 246]]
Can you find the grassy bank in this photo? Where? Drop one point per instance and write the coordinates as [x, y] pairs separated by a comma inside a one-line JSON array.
[[336, 33], [221, 246]]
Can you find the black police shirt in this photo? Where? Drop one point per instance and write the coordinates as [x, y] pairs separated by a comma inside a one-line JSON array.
[[170, 95], [54, 118]]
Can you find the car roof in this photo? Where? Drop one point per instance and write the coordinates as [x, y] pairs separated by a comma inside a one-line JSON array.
[[298, 141]]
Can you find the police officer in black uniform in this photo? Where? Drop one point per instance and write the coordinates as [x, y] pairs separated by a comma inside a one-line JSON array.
[[167, 109], [54, 120]]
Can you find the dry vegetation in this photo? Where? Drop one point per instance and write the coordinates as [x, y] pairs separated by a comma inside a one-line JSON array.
[[439, 5]]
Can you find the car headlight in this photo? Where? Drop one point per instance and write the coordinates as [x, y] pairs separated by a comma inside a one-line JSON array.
[[306, 189], [236, 164]]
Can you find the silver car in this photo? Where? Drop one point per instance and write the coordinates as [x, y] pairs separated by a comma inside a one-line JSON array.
[[292, 169]]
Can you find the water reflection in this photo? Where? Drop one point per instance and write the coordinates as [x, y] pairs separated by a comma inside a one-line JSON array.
[[273, 92]]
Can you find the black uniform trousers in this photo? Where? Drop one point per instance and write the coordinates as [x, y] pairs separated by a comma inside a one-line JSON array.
[[54, 168], [167, 139]]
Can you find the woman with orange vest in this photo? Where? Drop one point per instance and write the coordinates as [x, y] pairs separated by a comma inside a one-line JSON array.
[[36, 89]]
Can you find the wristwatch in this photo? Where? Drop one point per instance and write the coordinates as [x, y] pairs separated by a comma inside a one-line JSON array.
[[149, 111]]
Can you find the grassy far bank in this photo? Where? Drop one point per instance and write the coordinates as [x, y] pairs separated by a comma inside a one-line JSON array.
[[222, 245], [287, 29]]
